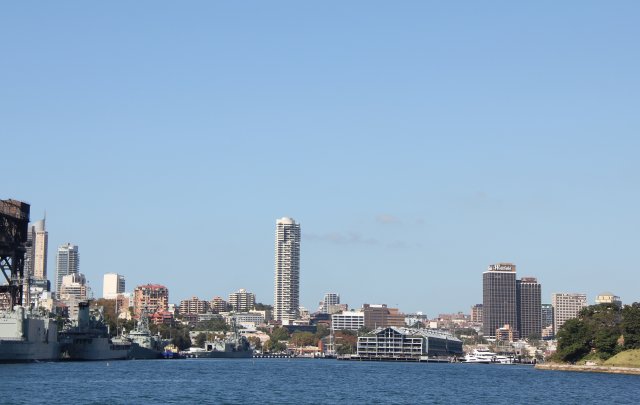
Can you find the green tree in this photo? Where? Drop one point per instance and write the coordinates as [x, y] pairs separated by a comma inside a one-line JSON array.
[[216, 324], [262, 307], [573, 341], [346, 342], [300, 339], [273, 346], [279, 334], [255, 342], [322, 330], [630, 326], [200, 339]]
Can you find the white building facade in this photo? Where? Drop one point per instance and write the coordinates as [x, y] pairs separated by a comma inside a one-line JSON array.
[[349, 320], [112, 285], [286, 294], [242, 300], [566, 306]]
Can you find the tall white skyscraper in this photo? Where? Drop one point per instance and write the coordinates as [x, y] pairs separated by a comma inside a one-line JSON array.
[[112, 285], [68, 262], [36, 254], [286, 291]]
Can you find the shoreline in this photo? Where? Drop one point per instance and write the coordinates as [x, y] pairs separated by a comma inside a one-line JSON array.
[[589, 369]]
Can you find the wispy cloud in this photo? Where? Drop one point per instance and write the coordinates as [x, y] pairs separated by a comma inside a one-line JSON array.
[[339, 238], [387, 219]]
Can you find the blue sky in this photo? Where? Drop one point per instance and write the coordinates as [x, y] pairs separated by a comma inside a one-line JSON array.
[[415, 142]]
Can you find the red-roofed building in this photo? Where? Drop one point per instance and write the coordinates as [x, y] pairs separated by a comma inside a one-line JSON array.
[[152, 297], [162, 317]]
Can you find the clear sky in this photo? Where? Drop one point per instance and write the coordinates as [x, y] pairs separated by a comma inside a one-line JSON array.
[[415, 142]]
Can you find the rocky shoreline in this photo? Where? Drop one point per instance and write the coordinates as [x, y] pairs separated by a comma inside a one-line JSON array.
[[589, 369]]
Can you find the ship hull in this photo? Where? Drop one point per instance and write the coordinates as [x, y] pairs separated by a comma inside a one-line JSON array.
[[220, 355], [20, 352], [95, 349], [143, 353], [25, 336]]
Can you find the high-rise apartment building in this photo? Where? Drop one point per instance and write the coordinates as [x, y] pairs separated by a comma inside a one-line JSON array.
[[150, 297], [194, 306], [217, 304], [112, 285], [476, 313], [73, 290], [546, 321], [35, 263], [286, 294], [499, 298], [329, 300], [547, 315], [566, 306], [242, 300], [67, 262], [529, 307]]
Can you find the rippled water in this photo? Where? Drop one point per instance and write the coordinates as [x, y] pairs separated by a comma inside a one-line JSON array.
[[305, 381]]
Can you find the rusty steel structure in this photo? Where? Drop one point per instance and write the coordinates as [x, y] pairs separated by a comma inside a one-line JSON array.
[[14, 224]]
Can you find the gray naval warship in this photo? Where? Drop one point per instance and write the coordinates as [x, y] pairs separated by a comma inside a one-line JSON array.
[[144, 345], [88, 338], [234, 346], [25, 334]]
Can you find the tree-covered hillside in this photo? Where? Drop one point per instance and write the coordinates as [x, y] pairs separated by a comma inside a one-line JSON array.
[[600, 331]]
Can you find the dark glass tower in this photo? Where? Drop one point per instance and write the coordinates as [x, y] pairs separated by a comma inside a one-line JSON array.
[[529, 309], [499, 298]]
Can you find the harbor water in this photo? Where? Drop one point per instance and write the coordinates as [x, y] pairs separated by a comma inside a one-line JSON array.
[[302, 381]]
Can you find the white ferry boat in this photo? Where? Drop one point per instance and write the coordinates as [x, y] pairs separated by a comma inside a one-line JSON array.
[[485, 356]]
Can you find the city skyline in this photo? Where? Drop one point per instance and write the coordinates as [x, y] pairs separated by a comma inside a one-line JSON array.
[[423, 141]]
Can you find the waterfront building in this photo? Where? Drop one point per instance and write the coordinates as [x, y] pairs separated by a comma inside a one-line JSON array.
[[242, 300], [566, 306], [529, 307], [498, 297], [286, 295], [329, 300], [193, 306], [608, 298], [378, 315], [35, 259], [217, 304], [67, 262], [152, 298], [347, 320], [476, 313], [112, 285], [397, 343]]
